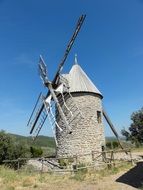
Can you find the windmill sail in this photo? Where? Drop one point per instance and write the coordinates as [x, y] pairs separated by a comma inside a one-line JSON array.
[[43, 70], [40, 124], [69, 46], [34, 114], [34, 108], [54, 82]]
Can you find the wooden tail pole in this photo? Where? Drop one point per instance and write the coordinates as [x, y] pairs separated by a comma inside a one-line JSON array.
[[112, 127]]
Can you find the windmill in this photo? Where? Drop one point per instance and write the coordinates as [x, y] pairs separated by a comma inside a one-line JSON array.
[[59, 104]]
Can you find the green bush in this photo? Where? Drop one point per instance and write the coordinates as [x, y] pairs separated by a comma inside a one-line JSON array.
[[112, 144], [109, 145], [36, 152]]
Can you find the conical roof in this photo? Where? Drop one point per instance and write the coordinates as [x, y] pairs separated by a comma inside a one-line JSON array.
[[79, 81]]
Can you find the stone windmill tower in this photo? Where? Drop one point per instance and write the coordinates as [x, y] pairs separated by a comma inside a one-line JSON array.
[[87, 133]]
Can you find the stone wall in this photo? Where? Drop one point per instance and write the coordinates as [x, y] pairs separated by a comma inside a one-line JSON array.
[[87, 134]]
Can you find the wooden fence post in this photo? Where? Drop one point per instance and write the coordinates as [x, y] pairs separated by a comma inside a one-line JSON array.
[[131, 157], [18, 164], [42, 165], [76, 160], [92, 153], [112, 158]]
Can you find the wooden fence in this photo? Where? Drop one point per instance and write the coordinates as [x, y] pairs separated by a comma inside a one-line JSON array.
[[107, 159]]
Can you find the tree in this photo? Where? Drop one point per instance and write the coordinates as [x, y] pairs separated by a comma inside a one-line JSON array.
[[10, 149], [5, 146], [135, 131]]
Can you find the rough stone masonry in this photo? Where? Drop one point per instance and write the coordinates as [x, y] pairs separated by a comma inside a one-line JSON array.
[[87, 133]]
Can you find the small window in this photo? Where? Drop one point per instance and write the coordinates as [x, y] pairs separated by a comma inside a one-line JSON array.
[[99, 116]]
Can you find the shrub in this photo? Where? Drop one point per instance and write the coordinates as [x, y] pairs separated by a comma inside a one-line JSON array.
[[112, 144], [36, 152]]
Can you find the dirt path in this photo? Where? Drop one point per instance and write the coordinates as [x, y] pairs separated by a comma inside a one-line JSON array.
[[110, 183], [106, 183]]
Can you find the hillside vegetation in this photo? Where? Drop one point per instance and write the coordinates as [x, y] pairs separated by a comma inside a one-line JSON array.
[[16, 146], [47, 144], [41, 141]]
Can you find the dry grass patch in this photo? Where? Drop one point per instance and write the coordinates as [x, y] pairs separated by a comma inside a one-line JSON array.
[[82, 180]]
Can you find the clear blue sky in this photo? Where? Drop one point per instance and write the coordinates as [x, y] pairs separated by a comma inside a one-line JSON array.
[[109, 48]]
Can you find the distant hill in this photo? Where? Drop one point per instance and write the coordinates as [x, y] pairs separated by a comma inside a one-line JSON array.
[[112, 138], [41, 141], [44, 141]]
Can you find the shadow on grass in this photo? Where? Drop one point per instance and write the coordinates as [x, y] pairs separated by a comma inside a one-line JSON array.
[[134, 177]]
